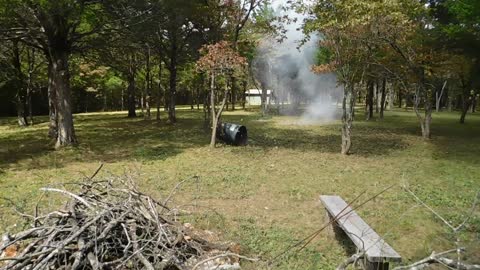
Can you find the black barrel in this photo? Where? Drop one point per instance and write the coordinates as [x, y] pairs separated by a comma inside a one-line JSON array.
[[233, 134]]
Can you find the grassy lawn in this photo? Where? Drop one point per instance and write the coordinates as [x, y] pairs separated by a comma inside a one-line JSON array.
[[265, 196]]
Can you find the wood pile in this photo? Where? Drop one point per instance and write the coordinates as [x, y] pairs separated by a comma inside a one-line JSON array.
[[107, 225]]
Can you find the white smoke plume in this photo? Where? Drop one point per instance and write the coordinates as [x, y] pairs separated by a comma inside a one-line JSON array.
[[289, 72]]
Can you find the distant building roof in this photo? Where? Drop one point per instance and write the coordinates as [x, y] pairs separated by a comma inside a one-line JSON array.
[[256, 92]]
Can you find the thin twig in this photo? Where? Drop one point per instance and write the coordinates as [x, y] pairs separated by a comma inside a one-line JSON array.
[[76, 197], [222, 256]]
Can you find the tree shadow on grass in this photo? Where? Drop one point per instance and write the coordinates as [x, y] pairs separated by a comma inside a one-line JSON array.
[[113, 137], [107, 138], [453, 141], [323, 139]]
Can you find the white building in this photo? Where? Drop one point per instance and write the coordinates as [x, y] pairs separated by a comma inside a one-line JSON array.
[[253, 97]]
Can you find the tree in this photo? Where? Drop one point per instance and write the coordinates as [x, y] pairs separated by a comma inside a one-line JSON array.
[[343, 52], [58, 28], [219, 59], [399, 27], [456, 27], [178, 38]]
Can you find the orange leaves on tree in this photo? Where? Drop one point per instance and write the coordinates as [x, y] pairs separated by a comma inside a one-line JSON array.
[[220, 57]]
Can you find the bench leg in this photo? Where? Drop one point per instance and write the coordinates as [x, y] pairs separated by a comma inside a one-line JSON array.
[[375, 265], [336, 232]]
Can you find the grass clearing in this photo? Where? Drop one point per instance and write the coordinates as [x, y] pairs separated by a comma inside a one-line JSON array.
[[265, 195]]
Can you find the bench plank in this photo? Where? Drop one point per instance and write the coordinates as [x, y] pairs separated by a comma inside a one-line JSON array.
[[362, 235]]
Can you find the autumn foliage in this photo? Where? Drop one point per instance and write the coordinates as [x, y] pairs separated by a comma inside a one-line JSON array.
[[220, 57]]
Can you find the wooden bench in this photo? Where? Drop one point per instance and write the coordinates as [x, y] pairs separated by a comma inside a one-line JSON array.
[[376, 251]]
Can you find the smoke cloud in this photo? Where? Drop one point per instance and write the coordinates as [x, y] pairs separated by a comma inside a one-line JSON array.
[[287, 70]]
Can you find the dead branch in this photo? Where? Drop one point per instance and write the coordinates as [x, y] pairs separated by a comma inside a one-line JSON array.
[[196, 266], [111, 225], [351, 260], [438, 258]]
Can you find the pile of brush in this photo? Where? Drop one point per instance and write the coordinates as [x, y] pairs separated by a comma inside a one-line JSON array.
[[111, 225]]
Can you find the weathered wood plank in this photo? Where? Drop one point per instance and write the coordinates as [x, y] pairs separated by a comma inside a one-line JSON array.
[[362, 235]]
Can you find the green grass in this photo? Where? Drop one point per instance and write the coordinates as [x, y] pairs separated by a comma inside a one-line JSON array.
[[265, 196]]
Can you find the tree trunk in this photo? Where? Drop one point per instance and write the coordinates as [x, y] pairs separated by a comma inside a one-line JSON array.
[[438, 97], [104, 107], [426, 120], [216, 115], [173, 82], [21, 114], [369, 101], [426, 134], [213, 114], [61, 80], [52, 125], [400, 97], [450, 103], [206, 108], [347, 118], [382, 99], [132, 72], [474, 103], [131, 96], [192, 98], [466, 103], [148, 90], [264, 99], [391, 96], [233, 92], [467, 98], [160, 92], [244, 95], [31, 67], [141, 101], [30, 105], [198, 96], [20, 85], [377, 97], [122, 101]]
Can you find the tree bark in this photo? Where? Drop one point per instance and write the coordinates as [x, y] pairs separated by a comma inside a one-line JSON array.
[[377, 97], [467, 97], [216, 115], [148, 82], [244, 95], [426, 120], [52, 125], [21, 112], [20, 84], [131, 76], [173, 82], [198, 97], [31, 67], [391, 96], [264, 99], [347, 117], [369, 101], [131, 96], [264, 84], [438, 97], [450, 103], [160, 92], [233, 92], [474, 103], [141, 101], [383, 96], [466, 103], [61, 80], [400, 98], [122, 100], [213, 114]]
